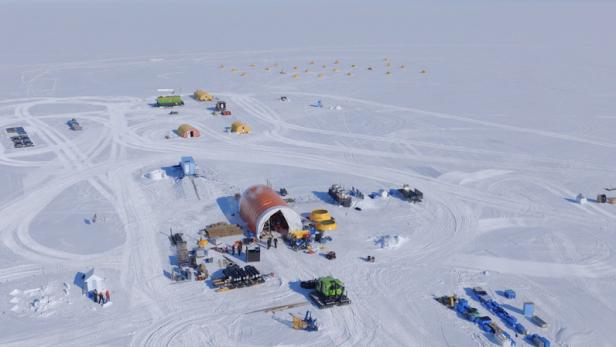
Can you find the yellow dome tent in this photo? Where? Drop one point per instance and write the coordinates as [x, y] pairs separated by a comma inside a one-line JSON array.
[[240, 128], [202, 95]]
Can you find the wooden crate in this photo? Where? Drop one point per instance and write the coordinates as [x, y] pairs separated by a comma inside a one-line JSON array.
[[222, 229]]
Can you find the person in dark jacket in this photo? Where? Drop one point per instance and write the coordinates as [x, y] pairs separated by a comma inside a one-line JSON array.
[[275, 242], [269, 242]]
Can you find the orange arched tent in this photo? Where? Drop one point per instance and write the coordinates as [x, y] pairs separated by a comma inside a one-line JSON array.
[[260, 204]]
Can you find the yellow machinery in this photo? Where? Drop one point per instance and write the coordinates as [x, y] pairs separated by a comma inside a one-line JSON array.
[[320, 215], [308, 323], [298, 239], [323, 219], [299, 234], [202, 95], [299, 323], [326, 225]]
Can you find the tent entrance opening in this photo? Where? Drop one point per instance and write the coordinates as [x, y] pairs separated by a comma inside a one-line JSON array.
[[277, 223]]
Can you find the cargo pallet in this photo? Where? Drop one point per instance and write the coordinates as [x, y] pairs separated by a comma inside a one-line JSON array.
[[237, 277], [339, 195], [409, 194]]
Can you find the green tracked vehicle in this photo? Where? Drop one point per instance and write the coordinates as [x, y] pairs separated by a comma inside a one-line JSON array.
[[328, 292]]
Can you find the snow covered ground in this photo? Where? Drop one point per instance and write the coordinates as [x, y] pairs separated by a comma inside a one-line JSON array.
[[501, 112]]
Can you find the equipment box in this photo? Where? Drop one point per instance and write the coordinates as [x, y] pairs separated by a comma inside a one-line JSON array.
[[253, 254]]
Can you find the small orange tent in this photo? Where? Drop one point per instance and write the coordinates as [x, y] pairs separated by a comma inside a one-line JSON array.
[[187, 130]]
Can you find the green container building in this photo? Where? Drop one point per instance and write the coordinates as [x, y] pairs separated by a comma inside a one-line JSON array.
[[169, 101]]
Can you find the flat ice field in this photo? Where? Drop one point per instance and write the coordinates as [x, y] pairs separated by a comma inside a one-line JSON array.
[[500, 112]]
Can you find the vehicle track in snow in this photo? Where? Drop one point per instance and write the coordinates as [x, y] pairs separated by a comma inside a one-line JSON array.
[[456, 221]]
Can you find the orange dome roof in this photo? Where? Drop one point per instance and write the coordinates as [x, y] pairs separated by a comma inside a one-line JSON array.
[[258, 203]]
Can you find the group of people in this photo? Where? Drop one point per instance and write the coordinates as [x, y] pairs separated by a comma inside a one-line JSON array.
[[269, 242], [237, 248], [100, 297]]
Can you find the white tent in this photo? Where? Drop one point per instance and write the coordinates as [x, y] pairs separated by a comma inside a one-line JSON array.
[[293, 219], [93, 281]]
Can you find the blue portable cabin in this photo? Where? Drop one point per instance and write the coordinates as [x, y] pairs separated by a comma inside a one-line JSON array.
[[189, 168], [529, 309], [509, 294]]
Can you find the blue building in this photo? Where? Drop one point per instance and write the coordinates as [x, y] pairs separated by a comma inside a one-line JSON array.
[[188, 166], [529, 309]]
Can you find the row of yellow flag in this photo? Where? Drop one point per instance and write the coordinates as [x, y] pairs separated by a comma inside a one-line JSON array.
[[295, 74]]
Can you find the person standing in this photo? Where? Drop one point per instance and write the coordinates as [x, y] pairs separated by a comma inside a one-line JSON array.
[[107, 296], [100, 298], [275, 242], [269, 242]]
